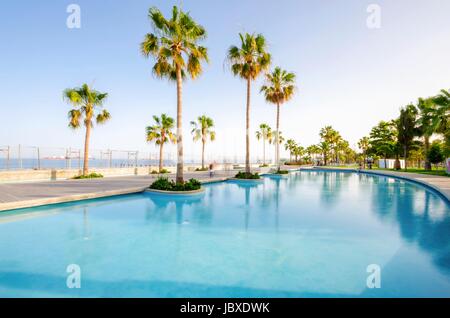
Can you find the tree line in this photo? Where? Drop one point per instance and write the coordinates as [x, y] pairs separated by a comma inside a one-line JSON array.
[[410, 135]]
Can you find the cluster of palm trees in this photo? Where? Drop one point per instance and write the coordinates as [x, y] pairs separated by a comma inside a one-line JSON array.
[[174, 45], [410, 134], [161, 132], [331, 148]]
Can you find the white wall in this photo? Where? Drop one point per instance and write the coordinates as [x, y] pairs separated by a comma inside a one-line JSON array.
[[390, 163]]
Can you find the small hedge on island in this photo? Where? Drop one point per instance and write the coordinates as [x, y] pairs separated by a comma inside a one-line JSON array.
[[89, 176], [163, 171], [281, 172], [247, 175], [201, 169], [164, 184]]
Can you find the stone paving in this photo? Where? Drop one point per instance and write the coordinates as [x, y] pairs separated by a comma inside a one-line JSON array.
[[29, 194]]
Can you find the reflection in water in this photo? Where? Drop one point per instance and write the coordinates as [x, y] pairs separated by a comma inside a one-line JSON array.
[[240, 239], [421, 216]]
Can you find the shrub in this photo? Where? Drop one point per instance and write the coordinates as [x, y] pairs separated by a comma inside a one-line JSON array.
[[163, 171], [246, 175], [435, 155], [281, 172], [264, 166], [201, 169], [165, 184], [92, 175]]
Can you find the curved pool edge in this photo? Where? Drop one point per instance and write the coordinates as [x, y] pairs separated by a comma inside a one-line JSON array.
[[420, 182]]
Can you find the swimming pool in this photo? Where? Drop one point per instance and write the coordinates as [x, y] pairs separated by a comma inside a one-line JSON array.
[[311, 234]]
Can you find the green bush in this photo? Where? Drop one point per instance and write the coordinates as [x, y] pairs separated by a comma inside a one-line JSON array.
[[435, 155], [245, 175], [163, 171], [264, 166], [201, 169], [92, 175], [165, 184], [282, 172]]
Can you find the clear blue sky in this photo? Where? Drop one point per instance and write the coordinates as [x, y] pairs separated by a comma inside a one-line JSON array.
[[349, 76]]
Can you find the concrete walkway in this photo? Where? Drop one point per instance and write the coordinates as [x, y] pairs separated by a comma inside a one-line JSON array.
[[30, 194]]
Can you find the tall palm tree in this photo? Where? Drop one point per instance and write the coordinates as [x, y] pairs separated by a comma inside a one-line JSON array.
[[441, 120], [174, 46], [202, 129], [279, 88], [87, 105], [427, 111], [248, 61], [264, 133], [161, 133], [363, 144]]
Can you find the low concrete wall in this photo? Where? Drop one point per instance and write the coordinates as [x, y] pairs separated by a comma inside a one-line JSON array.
[[40, 175]]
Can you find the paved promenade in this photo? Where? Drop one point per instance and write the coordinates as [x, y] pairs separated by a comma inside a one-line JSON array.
[[29, 194]]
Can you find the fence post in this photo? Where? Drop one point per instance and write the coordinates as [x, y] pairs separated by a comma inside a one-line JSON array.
[[20, 157], [39, 158], [7, 158]]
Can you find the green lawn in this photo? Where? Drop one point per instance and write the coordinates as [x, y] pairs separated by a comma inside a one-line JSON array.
[[434, 172]]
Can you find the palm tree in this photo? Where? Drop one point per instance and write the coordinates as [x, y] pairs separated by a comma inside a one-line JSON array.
[[427, 111], [279, 88], [174, 46], [87, 105], [290, 146], [312, 151], [247, 62], [264, 133], [329, 141], [441, 116], [363, 144], [298, 151], [161, 133], [202, 129]]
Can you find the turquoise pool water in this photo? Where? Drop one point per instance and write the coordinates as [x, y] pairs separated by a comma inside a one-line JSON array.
[[311, 234]]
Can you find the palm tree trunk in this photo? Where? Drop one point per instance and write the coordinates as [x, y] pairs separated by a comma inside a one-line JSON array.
[[179, 177], [426, 147], [405, 152], [161, 157], [86, 149], [247, 127], [203, 154], [264, 151], [277, 149]]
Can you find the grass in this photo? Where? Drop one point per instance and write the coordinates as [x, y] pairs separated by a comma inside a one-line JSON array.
[[434, 172]]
